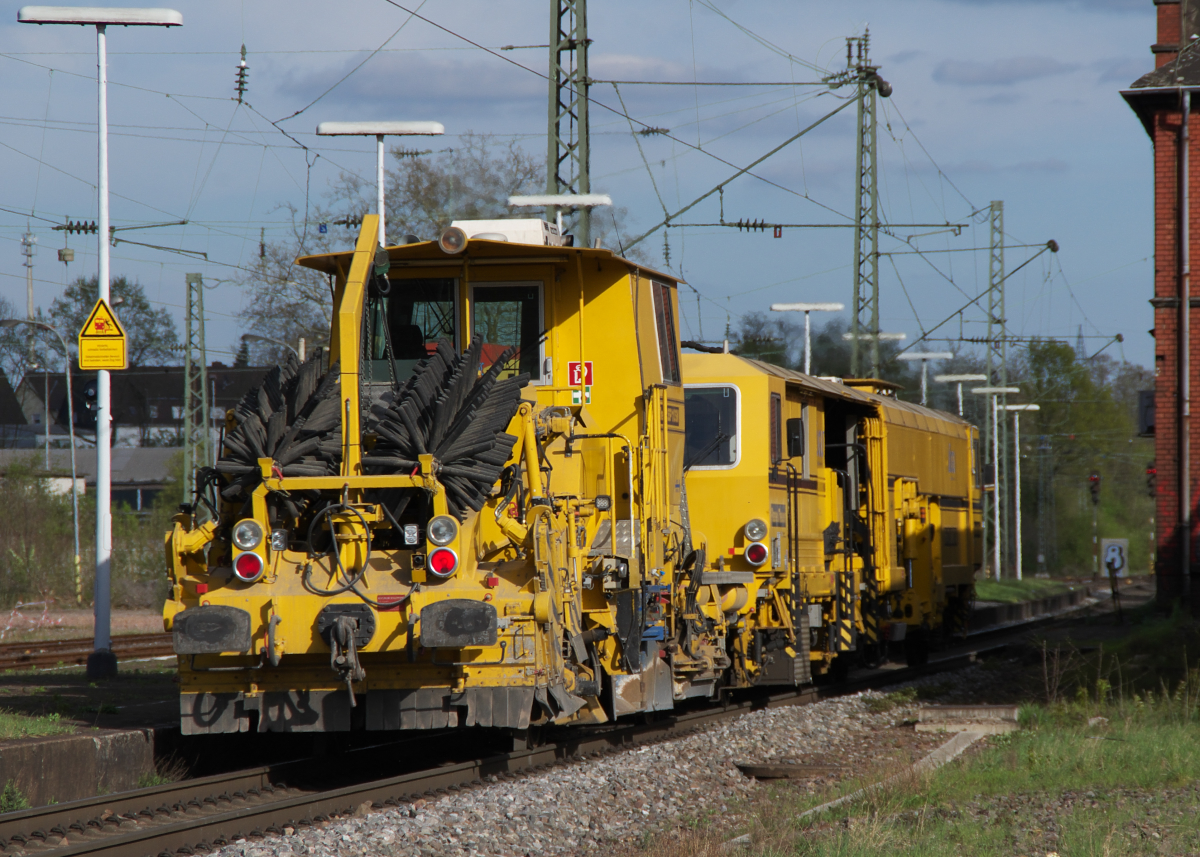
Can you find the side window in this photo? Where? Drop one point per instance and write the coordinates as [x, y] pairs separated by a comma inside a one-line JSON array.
[[776, 428], [804, 424], [508, 315], [711, 426], [668, 346]]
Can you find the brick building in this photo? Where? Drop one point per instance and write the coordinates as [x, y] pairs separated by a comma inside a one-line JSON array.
[[1161, 99]]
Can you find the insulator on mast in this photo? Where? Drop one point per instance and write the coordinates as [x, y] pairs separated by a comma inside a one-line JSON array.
[[243, 71]]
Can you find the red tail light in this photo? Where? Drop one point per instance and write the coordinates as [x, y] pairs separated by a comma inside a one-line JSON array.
[[248, 567], [442, 562], [756, 554]]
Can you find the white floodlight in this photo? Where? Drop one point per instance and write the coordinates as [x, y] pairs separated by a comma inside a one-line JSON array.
[[99, 16], [925, 357], [1017, 411], [807, 308], [995, 393], [102, 663], [379, 130], [882, 337], [958, 379], [561, 200]]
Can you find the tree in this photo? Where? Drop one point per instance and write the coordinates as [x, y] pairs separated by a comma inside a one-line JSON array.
[[15, 346], [242, 359], [150, 333], [424, 194]]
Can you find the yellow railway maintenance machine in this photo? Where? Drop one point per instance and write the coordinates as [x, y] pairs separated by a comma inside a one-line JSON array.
[[839, 518], [468, 511]]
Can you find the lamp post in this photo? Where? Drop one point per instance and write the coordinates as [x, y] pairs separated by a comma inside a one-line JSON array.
[[102, 663], [806, 309], [925, 357], [994, 392], [17, 322], [379, 130], [1016, 412], [958, 379], [254, 337]]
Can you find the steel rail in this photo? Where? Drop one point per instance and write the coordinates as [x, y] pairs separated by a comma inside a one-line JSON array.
[[49, 653], [165, 826], [172, 819]]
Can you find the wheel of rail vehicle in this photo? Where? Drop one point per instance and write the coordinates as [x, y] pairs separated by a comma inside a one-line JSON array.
[[871, 655], [916, 647]]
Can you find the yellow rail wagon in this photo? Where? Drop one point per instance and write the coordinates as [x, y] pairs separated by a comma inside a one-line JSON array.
[[796, 486], [470, 508]]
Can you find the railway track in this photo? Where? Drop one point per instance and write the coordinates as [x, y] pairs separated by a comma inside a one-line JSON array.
[[199, 815], [52, 653], [195, 816]]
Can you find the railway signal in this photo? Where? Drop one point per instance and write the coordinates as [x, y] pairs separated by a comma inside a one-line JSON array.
[[1094, 486], [1152, 479]]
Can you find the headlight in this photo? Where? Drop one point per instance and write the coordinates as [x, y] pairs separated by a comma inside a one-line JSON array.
[[248, 567], [756, 554], [603, 503], [442, 530], [247, 535], [756, 530], [412, 535], [452, 240]]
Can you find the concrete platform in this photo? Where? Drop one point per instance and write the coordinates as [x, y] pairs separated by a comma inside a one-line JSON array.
[[61, 768]]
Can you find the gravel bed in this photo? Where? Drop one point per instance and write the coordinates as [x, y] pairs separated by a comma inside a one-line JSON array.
[[622, 798]]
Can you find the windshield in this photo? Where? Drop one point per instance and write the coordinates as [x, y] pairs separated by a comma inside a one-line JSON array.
[[408, 321]]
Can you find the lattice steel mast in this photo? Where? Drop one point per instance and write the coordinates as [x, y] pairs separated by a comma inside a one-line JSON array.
[[567, 146], [997, 370], [196, 441], [866, 207]]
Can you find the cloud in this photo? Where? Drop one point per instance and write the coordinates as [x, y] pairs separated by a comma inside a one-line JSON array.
[[1123, 70], [427, 83], [1001, 72], [1083, 5], [631, 67], [904, 56], [1044, 165]]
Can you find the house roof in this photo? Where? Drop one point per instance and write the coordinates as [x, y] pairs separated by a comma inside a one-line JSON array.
[[142, 396], [11, 413], [133, 466]]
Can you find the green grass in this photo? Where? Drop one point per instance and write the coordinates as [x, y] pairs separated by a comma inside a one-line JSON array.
[[14, 725], [11, 798], [1014, 591]]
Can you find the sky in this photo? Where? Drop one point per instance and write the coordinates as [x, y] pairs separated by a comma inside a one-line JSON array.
[[993, 100]]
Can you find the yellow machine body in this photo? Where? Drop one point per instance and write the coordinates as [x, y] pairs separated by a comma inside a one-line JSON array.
[[471, 510]]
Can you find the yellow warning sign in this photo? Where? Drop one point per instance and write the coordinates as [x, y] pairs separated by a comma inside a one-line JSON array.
[[102, 340]]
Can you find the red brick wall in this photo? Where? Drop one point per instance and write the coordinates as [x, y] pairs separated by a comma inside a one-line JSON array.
[[1168, 285], [1168, 31]]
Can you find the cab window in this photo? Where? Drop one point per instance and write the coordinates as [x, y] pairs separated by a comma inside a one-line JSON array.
[[508, 315], [407, 323], [711, 426]]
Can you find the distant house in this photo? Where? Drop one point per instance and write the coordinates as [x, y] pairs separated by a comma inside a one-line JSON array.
[[138, 474], [147, 401], [16, 430]]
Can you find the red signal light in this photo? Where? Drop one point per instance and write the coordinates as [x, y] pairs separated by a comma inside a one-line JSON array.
[[756, 554], [442, 562], [248, 567]]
